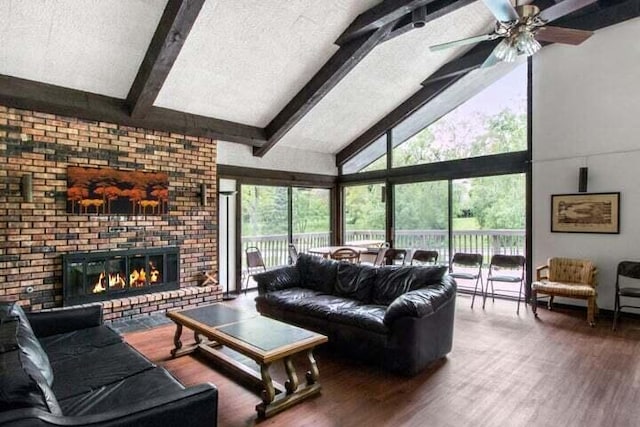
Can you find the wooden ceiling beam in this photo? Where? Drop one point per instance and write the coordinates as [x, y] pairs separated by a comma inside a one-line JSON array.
[[30, 95], [381, 14], [334, 70], [170, 35]]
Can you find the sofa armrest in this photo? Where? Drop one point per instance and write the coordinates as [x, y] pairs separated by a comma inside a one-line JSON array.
[[277, 279], [195, 406], [421, 302], [59, 321]]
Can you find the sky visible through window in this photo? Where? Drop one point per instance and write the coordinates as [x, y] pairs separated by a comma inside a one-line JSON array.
[[491, 122]]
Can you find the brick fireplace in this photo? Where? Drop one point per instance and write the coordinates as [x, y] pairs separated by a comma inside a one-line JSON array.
[[35, 234]]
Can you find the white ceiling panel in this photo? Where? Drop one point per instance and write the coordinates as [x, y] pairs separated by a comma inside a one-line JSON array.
[[245, 59], [91, 45], [390, 74]]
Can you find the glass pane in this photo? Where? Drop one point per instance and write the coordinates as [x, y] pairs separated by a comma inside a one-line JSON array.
[[493, 121], [364, 213], [137, 271], [311, 218], [372, 158], [265, 220], [421, 217], [489, 216]]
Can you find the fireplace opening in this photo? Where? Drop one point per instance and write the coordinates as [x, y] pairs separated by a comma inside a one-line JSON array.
[[96, 276]]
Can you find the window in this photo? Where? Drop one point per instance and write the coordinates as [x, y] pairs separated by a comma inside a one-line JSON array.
[[364, 213], [311, 218], [492, 122], [372, 158]]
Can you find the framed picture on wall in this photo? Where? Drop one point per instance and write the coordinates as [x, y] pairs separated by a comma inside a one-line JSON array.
[[585, 213]]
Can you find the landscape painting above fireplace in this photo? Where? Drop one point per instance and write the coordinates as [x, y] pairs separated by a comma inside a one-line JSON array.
[[111, 191]]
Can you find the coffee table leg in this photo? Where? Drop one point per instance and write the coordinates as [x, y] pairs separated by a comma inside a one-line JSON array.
[[197, 337], [312, 373], [176, 340], [269, 392], [292, 383]]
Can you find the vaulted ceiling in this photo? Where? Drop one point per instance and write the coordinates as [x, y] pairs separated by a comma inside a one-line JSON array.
[[308, 74]]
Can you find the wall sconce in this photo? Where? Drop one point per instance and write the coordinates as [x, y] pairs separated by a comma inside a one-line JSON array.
[[26, 188], [582, 180], [203, 194]]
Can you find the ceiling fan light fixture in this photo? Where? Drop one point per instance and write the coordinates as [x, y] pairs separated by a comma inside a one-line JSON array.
[[526, 43], [506, 51]]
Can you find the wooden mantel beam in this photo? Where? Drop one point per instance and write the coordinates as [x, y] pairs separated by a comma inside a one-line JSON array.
[[170, 35]]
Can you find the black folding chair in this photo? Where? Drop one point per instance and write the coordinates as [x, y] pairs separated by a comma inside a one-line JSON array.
[[628, 271], [468, 267], [497, 273]]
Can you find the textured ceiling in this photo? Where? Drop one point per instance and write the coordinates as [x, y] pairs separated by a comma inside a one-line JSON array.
[[245, 59], [390, 74], [91, 45]]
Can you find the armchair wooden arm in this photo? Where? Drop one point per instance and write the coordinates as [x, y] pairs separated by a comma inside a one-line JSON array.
[[539, 270]]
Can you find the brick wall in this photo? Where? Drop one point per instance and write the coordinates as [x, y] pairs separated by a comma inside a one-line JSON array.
[[33, 236]]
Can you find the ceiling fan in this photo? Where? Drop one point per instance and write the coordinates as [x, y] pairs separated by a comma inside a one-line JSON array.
[[523, 27]]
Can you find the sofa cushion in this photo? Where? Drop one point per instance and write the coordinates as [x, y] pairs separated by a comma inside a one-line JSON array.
[[355, 281], [93, 369], [308, 302], [21, 384], [130, 390], [75, 343], [369, 317], [34, 356], [317, 273], [391, 282]]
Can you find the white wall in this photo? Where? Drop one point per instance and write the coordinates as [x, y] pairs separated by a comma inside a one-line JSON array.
[[586, 112], [278, 158]]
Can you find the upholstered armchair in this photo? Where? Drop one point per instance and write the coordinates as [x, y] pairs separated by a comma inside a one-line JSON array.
[[566, 277]]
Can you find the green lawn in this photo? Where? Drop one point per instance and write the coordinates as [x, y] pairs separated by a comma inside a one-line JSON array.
[[465, 224]]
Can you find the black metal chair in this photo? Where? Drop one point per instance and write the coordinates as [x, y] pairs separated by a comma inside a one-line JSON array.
[[627, 271], [255, 263], [421, 256], [393, 255], [293, 253], [471, 265], [497, 267]]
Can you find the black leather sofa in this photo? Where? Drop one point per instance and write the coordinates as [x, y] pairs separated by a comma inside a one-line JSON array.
[[400, 318], [65, 368]]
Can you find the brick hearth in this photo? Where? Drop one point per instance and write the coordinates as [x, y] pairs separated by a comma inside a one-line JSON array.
[[34, 235]]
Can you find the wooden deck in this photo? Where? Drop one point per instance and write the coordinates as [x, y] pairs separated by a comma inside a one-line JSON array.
[[504, 370]]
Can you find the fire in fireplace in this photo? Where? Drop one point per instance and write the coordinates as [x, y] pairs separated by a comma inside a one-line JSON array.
[[95, 276]]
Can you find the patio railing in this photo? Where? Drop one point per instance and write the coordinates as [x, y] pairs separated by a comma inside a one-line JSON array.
[[486, 242]]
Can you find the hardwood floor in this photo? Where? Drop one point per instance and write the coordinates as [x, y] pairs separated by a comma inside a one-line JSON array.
[[504, 370]]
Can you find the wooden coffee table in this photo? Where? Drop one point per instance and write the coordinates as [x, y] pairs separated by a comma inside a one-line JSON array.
[[259, 338]]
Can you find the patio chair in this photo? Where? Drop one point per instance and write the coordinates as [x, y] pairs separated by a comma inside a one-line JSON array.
[[255, 263], [566, 277], [421, 256], [392, 256], [293, 253], [514, 266], [627, 271], [346, 254], [468, 267]]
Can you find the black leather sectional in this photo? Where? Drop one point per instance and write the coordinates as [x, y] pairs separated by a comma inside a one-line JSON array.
[[66, 368], [400, 318]]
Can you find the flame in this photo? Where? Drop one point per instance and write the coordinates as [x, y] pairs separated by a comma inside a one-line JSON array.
[[115, 280], [99, 287]]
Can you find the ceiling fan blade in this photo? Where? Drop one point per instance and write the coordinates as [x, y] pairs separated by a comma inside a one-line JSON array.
[[503, 10], [462, 42], [564, 8], [562, 35], [490, 61]]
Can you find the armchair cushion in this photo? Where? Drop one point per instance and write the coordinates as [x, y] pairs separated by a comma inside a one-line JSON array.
[[565, 289], [568, 270]]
